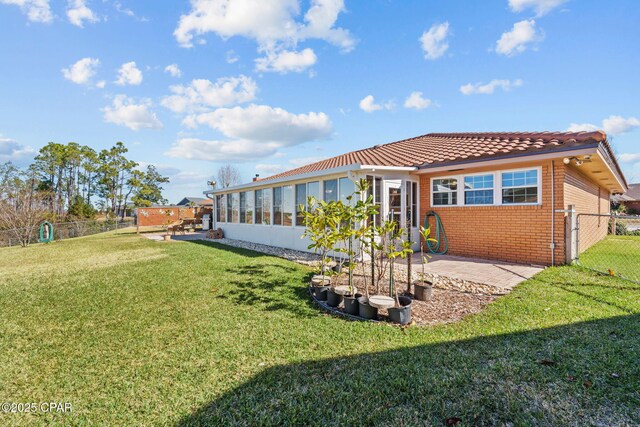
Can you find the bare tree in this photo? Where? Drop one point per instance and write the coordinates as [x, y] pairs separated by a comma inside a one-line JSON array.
[[22, 207], [228, 175]]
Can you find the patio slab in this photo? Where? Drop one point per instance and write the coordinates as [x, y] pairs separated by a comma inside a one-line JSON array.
[[502, 276]]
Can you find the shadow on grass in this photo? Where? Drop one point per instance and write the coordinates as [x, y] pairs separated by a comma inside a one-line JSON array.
[[270, 285], [266, 284], [232, 249], [579, 374]]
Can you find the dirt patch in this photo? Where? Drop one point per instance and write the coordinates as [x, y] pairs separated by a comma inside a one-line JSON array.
[[445, 306]]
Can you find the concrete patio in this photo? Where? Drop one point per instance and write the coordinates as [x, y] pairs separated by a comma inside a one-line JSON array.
[[503, 276]]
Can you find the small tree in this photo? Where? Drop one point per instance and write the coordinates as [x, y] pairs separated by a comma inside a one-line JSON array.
[[322, 227], [424, 234], [396, 247], [22, 207], [168, 213]]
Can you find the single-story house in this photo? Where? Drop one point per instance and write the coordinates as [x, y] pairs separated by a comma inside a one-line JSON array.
[[630, 199], [195, 201], [500, 195]]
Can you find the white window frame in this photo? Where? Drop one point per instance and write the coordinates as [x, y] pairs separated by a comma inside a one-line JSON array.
[[433, 192], [497, 188]]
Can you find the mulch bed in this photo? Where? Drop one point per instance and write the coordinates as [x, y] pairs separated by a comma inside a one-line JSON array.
[[445, 306]]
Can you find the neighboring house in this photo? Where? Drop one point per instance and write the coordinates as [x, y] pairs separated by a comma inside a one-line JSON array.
[[500, 195], [631, 199], [195, 201]]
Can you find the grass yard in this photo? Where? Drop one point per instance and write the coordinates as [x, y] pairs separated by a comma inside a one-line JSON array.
[[620, 254], [135, 332]]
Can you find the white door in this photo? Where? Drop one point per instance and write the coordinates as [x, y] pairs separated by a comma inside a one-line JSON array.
[[393, 200]]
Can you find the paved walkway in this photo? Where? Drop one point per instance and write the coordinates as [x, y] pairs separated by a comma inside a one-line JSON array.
[[195, 235], [499, 274]]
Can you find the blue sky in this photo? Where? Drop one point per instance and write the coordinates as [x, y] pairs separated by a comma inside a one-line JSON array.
[[271, 85]]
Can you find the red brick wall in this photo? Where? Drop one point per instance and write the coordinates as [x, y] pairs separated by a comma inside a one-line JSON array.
[[633, 206], [156, 216], [519, 234], [588, 198]]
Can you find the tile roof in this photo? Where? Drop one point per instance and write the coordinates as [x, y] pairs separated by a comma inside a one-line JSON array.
[[435, 149], [633, 193]]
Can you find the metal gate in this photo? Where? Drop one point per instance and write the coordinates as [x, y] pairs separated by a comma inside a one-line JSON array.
[[609, 244]]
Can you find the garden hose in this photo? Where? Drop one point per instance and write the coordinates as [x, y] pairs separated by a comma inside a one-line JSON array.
[[442, 245]]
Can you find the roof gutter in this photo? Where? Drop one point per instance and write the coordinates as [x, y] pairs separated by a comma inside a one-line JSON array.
[[576, 151]]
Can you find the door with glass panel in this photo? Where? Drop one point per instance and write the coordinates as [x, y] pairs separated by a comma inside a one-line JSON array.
[[393, 200]]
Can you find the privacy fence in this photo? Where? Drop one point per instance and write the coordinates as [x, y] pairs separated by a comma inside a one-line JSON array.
[[609, 244], [61, 231]]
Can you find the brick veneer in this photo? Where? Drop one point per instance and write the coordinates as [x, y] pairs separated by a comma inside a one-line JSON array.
[[588, 198], [519, 234]]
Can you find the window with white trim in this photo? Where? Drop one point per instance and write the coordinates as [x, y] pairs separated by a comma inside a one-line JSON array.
[[445, 191], [497, 188], [478, 189], [520, 187]]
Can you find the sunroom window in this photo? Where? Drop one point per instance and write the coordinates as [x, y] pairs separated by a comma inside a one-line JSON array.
[[520, 187], [478, 190], [445, 192]]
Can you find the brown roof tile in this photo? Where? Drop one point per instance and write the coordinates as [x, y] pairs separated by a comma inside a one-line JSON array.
[[435, 149]]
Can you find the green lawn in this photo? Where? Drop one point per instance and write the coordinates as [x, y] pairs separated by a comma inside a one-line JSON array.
[[135, 332], [618, 254]]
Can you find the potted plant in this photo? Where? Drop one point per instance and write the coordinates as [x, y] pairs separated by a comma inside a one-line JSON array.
[[398, 248], [423, 288], [321, 222]]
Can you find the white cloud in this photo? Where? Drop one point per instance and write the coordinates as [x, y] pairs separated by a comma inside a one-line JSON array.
[[303, 161], [540, 7], [629, 157], [82, 71], [124, 111], [274, 25], [612, 125], [434, 41], [173, 70], [101, 84], [515, 41], [368, 104], [266, 22], [78, 12], [417, 101], [252, 132], [36, 10], [129, 74], [264, 123], [12, 151], [285, 61], [231, 57], [270, 169], [489, 88], [202, 93]]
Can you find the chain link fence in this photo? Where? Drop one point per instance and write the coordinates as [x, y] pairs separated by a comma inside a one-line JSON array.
[[610, 244], [62, 230]]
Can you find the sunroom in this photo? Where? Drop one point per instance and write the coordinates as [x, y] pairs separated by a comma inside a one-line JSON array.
[[268, 211]]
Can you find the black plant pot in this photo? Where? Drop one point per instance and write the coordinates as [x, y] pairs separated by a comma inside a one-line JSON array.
[[351, 305], [365, 310], [321, 292], [422, 291], [337, 268], [401, 314], [333, 299]]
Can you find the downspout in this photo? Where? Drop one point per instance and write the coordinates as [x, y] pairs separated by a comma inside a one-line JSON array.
[[553, 214]]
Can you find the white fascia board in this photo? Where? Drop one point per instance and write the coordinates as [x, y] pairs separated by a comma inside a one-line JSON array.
[[604, 156], [507, 160]]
